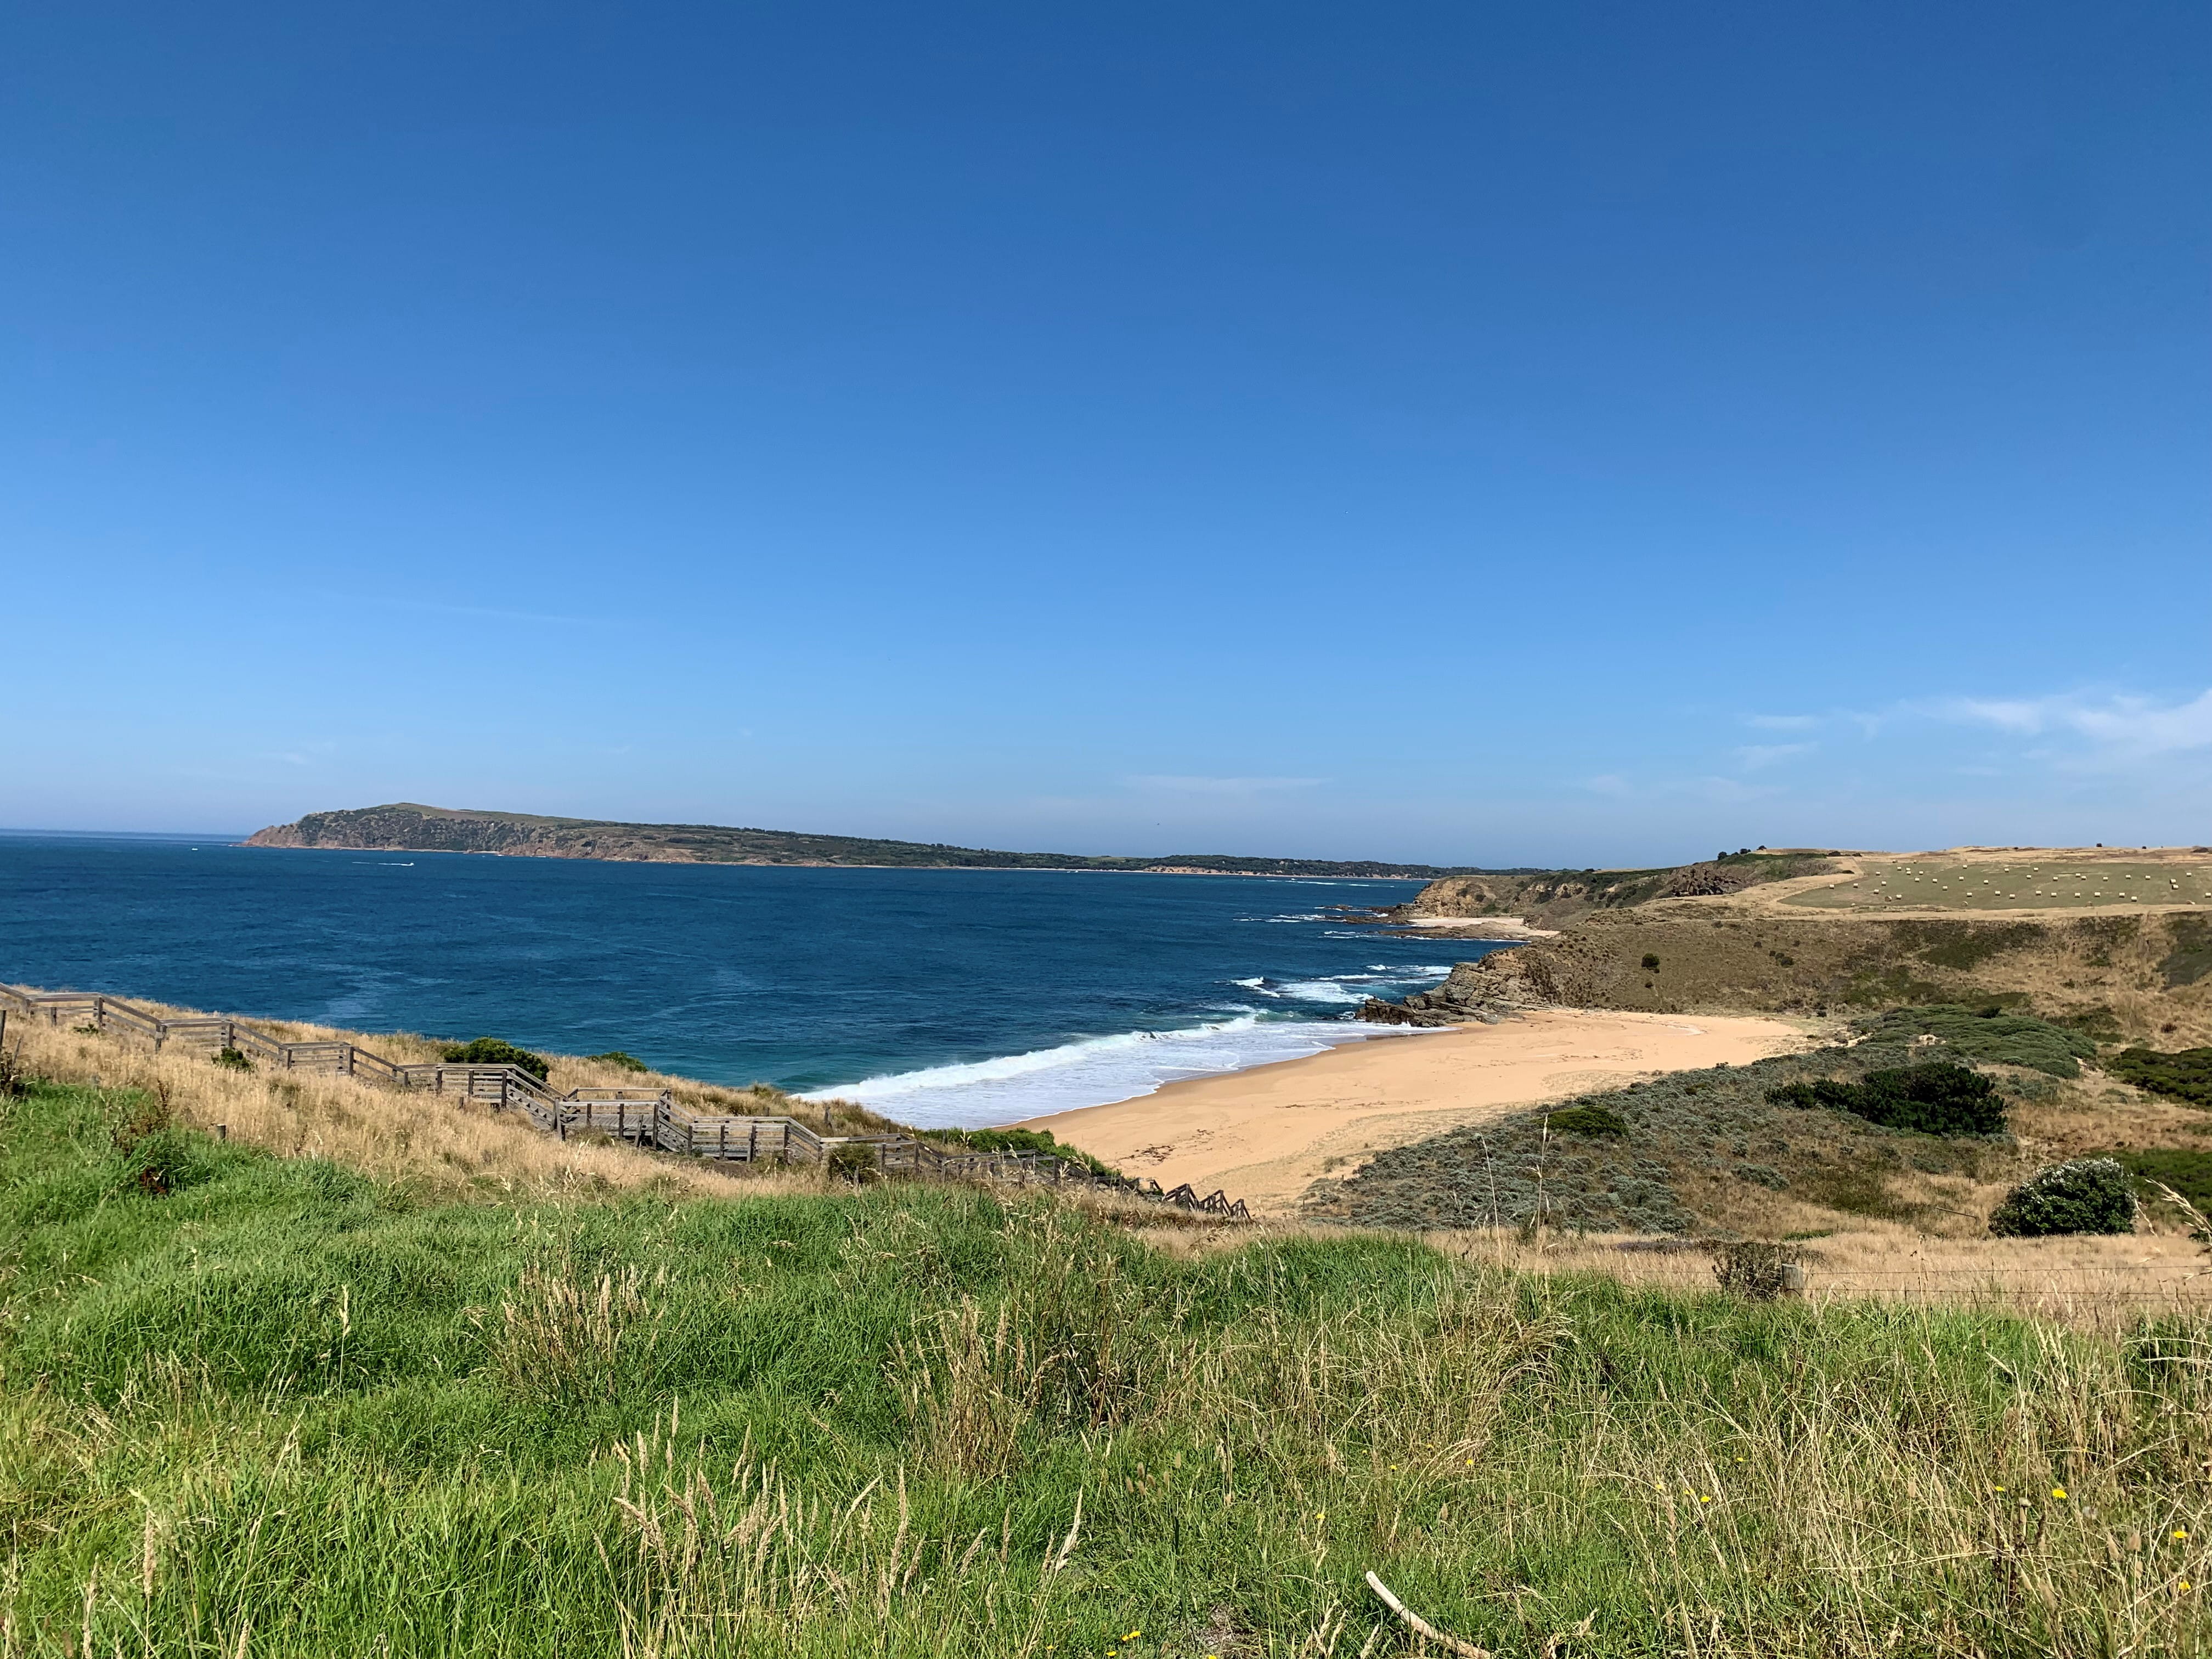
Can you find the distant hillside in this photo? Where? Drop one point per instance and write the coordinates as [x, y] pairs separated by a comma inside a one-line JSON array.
[[406, 826], [1551, 898]]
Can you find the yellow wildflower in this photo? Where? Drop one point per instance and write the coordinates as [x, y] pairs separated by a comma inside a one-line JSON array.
[[2058, 1491]]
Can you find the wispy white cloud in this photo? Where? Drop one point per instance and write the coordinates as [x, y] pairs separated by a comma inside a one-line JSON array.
[[2121, 727], [1753, 756], [1169, 784]]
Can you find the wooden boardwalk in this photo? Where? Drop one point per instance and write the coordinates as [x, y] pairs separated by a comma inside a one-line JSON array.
[[643, 1117]]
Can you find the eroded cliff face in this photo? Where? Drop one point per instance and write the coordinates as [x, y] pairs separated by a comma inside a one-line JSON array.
[[2113, 976]]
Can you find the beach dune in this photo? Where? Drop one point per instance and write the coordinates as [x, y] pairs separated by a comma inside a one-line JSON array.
[[1265, 1135]]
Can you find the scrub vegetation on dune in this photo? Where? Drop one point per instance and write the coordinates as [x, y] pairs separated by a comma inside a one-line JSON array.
[[283, 1407], [1840, 1129]]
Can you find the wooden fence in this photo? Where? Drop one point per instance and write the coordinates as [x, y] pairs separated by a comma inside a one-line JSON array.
[[643, 1117]]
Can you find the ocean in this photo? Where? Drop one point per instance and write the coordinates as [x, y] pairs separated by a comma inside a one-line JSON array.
[[939, 997]]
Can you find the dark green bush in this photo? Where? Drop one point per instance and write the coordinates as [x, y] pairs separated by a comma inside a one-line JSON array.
[[2081, 1195], [2185, 1076], [231, 1059], [1588, 1120], [1941, 1099], [497, 1051], [1650, 963], [2187, 1171], [617, 1057]]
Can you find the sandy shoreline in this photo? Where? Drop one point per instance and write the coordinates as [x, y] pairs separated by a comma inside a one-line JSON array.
[[1265, 1135]]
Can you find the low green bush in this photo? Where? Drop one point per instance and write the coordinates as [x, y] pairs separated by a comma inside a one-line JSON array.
[[497, 1051], [231, 1059], [1587, 1121], [617, 1057], [2081, 1195], [1989, 1033], [1939, 1099], [2186, 1075]]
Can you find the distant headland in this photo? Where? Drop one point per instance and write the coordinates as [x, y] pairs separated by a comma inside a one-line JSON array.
[[406, 826]]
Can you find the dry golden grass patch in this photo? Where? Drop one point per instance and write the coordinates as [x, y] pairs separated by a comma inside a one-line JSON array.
[[450, 1145], [2100, 1283]]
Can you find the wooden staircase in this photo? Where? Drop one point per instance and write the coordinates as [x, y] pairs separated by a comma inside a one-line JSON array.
[[643, 1117]]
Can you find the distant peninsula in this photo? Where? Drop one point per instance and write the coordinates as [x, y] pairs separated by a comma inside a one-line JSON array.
[[405, 827]]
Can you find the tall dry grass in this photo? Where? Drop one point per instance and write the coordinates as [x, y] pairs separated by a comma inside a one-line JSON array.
[[441, 1142]]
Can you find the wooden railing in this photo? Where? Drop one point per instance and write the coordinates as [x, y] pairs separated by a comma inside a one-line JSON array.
[[643, 1117]]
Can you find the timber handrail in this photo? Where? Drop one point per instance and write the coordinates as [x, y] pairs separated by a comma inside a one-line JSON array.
[[642, 1116]]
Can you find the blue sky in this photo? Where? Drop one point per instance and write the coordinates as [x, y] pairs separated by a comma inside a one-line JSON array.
[[1572, 434]]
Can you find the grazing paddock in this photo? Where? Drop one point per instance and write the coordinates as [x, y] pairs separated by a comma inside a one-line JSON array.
[[2023, 881]]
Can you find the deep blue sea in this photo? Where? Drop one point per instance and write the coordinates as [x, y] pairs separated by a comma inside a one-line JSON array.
[[939, 996]]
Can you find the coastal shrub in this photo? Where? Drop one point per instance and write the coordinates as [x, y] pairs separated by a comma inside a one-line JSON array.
[[617, 1058], [231, 1059], [1754, 1269], [1940, 1099], [1989, 1033], [1650, 963], [858, 1164], [2186, 1075], [1588, 1120], [1041, 1142], [497, 1051], [2189, 1172], [2081, 1195]]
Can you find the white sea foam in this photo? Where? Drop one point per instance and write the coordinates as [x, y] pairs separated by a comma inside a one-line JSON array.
[[1095, 1070], [1335, 991]]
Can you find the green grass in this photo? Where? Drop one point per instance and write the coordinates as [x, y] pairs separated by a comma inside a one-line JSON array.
[[288, 1411]]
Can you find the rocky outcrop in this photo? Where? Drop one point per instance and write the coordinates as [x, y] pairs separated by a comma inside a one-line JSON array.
[[1474, 992]]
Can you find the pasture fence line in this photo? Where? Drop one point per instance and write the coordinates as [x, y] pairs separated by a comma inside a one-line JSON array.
[[644, 1117]]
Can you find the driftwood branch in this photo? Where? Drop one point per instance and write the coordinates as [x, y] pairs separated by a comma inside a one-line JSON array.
[[1421, 1626]]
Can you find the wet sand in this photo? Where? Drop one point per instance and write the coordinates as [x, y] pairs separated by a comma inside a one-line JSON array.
[[1265, 1135]]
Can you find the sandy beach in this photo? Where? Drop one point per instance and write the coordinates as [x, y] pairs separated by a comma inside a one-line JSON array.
[[1263, 1135]]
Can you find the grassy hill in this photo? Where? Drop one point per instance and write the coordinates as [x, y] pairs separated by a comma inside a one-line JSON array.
[[406, 826], [287, 1408]]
